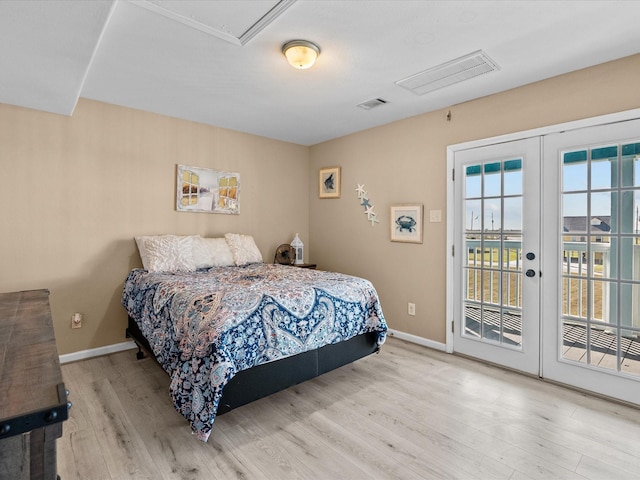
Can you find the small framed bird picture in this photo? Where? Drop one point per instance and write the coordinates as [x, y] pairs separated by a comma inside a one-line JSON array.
[[329, 182]]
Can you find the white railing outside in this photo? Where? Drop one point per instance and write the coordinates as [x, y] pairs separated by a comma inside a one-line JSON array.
[[494, 256], [492, 259]]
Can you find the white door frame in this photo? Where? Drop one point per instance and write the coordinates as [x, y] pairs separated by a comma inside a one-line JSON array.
[[452, 149]]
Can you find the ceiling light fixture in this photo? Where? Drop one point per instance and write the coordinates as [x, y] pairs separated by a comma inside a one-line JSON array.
[[301, 53]]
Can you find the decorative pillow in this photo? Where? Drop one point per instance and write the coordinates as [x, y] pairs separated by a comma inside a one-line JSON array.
[[169, 253], [142, 251], [243, 248], [211, 252]]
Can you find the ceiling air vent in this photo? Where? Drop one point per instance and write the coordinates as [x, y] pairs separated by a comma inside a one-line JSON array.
[[455, 71], [369, 104]]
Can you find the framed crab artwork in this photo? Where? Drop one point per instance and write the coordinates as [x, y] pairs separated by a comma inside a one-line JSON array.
[[406, 223]]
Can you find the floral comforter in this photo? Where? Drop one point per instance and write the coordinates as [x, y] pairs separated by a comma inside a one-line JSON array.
[[206, 326]]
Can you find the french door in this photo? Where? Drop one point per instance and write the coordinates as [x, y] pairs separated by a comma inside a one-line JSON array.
[[497, 254], [591, 312], [546, 266]]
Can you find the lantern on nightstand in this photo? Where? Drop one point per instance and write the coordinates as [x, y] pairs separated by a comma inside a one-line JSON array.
[[298, 247]]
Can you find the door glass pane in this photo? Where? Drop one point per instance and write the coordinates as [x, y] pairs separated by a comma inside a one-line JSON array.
[[630, 211], [629, 268], [491, 324], [512, 252], [473, 209], [473, 251], [491, 220], [513, 177], [601, 210], [473, 285], [631, 163], [512, 290], [600, 292], [574, 171], [490, 290], [630, 351], [573, 257], [630, 305], [574, 345], [604, 173], [574, 295], [601, 257], [473, 182], [603, 348], [493, 252], [492, 179], [472, 320], [574, 211], [512, 214]]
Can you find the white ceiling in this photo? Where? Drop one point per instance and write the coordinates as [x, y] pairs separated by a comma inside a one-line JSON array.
[[214, 62]]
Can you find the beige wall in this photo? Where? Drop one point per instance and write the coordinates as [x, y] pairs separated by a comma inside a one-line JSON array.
[[74, 191], [405, 162]]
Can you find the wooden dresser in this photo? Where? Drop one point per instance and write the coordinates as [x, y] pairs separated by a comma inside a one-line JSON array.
[[33, 400]]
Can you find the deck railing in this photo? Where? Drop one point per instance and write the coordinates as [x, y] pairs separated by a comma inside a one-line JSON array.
[[501, 263], [495, 265], [576, 262]]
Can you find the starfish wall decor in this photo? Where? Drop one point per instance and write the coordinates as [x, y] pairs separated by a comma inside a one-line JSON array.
[[366, 203]]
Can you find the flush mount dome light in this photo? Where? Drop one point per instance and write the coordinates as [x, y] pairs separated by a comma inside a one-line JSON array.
[[301, 53]]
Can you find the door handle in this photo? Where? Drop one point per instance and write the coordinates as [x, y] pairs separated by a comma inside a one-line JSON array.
[[531, 256], [530, 273]]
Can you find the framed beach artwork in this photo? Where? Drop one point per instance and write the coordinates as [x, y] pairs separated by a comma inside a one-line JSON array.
[[406, 223], [205, 190], [329, 182]]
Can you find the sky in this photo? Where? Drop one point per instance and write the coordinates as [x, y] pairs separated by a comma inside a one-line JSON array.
[[574, 198]]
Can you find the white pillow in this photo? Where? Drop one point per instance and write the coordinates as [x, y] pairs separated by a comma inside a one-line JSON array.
[[169, 253], [211, 252], [143, 254], [243, 248]]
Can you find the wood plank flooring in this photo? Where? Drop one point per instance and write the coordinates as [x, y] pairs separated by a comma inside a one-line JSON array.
[[407, 413]]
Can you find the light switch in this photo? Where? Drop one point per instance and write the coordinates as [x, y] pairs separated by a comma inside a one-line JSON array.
[[435, 216]]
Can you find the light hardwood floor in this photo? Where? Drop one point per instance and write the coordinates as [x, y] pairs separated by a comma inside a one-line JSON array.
[[407, 413]]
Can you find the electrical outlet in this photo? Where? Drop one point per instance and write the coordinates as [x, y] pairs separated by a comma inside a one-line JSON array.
[[411, 308], [76, 320]]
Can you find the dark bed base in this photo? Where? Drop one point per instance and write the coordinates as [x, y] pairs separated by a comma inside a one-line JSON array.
[[266, 379]]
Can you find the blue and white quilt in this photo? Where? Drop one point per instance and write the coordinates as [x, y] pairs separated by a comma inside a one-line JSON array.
[[206, 326]]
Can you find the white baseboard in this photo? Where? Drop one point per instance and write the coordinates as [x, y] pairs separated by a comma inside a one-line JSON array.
[[96, 352], [425, 342], [119, 347]]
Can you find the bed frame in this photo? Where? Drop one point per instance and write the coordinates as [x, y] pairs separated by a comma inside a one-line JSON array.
[[266, 379]]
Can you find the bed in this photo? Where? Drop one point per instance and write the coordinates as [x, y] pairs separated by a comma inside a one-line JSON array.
[[230, 334]]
